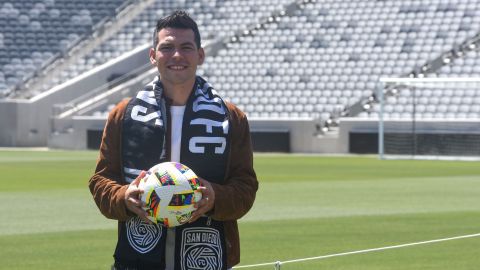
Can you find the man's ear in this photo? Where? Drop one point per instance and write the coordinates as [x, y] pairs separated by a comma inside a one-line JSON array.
[[201, 56], [152, 56]]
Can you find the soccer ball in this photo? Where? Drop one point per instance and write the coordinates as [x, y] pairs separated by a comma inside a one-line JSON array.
[[170, 191]]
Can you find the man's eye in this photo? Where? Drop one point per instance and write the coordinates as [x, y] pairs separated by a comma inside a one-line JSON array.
[[168, 48]]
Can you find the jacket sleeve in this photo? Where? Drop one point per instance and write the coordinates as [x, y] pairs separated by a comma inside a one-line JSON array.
[[235, 198], [106, 184]]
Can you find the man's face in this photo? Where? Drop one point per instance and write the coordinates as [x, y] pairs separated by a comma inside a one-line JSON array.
[[176, 56]]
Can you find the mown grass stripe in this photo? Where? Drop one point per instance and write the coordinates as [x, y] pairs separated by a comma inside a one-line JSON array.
[[74, 209]]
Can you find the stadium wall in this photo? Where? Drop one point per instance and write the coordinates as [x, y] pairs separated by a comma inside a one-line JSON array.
[[8, 122], [282, 135], [20, 127], [302, 133], [23, 124]]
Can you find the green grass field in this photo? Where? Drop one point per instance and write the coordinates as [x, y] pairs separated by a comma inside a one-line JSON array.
[[306, 206]]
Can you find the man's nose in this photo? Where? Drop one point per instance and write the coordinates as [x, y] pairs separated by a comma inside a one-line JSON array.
[[177, 53]]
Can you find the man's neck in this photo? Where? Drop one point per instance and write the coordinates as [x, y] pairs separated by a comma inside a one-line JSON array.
[[178, 93]]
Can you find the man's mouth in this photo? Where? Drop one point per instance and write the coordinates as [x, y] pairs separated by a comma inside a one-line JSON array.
[[177, 67]]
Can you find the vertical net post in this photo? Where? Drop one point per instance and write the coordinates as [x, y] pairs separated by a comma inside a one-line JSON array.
[[381, 150]]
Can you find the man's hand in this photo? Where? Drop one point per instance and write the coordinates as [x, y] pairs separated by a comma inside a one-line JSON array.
[[206, 203], [132, 198]]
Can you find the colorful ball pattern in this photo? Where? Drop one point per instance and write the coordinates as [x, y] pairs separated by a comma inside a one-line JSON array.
[[170, 192]]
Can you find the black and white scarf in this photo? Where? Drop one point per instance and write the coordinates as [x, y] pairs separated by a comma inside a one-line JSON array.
[[205, 147]]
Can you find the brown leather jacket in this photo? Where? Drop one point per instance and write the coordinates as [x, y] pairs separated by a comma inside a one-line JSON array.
[[232, 199]]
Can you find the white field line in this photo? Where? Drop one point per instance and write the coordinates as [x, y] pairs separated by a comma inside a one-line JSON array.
[[278, 263]]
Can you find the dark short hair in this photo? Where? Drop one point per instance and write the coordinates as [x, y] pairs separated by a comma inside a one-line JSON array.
[[178, 19]]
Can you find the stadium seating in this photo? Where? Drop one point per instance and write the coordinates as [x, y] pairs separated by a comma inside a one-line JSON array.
[[35, 32], [216, 19], [335, 51], [455, 102], [327, 55], [311, 61]]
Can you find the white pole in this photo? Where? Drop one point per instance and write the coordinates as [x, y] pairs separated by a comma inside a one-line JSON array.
[[381, 128]]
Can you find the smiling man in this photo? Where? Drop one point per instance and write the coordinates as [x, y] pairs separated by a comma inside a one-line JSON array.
[[177, 117]]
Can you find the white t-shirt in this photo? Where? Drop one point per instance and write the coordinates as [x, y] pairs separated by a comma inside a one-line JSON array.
[[176, 113]]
